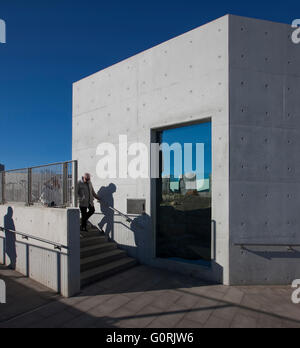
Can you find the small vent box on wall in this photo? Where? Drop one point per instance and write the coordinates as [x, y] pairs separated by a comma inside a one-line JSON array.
[[136, 206]]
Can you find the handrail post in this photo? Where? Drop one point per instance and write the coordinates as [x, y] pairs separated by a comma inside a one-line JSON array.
[[29, 187], [74, 183], [65, 183]]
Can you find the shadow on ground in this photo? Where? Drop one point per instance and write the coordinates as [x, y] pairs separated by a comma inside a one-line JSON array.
[[22, 294], [147, 297]]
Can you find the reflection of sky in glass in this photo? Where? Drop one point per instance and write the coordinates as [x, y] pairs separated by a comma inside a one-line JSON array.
[[200, 133]]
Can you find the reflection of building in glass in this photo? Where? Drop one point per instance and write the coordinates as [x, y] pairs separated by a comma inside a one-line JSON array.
[[166, 185], [174, 184], [188, 182], [204, 185]]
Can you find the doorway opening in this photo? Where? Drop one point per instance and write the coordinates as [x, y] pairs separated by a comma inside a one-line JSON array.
[[183, 194]]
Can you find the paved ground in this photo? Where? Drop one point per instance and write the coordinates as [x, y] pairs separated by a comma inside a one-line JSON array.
[[146, 297]]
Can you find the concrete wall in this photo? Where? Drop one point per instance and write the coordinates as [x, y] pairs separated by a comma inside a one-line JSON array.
[[181, 81], [59, 271], [264, 151]]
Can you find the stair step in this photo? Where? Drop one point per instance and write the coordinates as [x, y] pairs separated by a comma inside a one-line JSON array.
[[101, 259], [92, 250], [92, 233], [107, 270], [86, 241]]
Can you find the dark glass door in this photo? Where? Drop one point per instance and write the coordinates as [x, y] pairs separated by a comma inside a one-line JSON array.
[[184, 194]]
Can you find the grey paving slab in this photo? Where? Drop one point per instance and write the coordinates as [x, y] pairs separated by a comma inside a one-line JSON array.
[[202, 311], [55, 321], [144, 317], [242, 321], [91, 302], [188, 324], [266, 322], [216, 322], [187, 301], [234, 295], [22, 321], [109, 306], [82, 321], [137, 303], [166, 300], [170, 318], [226, 313]]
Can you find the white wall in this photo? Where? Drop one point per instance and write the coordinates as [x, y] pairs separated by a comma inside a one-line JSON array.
[[180, 81], [264, 151], [60, 271]]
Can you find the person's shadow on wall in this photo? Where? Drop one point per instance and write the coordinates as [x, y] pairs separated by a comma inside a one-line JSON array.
[[106, 201], [141, 226], [10, 238]]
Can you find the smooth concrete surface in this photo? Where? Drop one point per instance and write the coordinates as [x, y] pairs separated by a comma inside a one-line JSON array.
[[145, 297], [58, 270], [178, 82], [264, 189], [243, 75]]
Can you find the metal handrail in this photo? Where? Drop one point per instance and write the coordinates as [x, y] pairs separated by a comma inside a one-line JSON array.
[[26, 236], [128, 219], [284, 245], [36, 167]]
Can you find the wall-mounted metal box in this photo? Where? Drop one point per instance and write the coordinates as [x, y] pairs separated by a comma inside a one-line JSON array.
[[136, 206]]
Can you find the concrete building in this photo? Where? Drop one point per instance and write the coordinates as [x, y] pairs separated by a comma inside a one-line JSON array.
[[243, 76]]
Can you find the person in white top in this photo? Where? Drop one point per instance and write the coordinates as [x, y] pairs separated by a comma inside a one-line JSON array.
[[51, 194]]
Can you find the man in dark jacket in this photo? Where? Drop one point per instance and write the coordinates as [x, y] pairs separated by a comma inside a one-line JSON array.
[[86, 194]]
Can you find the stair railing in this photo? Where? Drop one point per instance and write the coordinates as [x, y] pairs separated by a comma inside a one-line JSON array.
[[128, 219], [26, 236]]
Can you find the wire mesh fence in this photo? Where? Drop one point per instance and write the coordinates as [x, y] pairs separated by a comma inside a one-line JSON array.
[[16, 188], [51, 185]]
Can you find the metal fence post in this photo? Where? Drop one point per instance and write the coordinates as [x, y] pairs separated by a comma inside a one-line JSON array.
[[2, 183], [74, 183], [65, 184], [29, 187]]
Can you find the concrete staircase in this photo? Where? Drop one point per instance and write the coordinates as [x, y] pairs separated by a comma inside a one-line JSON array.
[[100, 259]]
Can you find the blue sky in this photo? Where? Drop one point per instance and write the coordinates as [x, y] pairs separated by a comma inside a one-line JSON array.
[[200, 134], [52, 43]]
